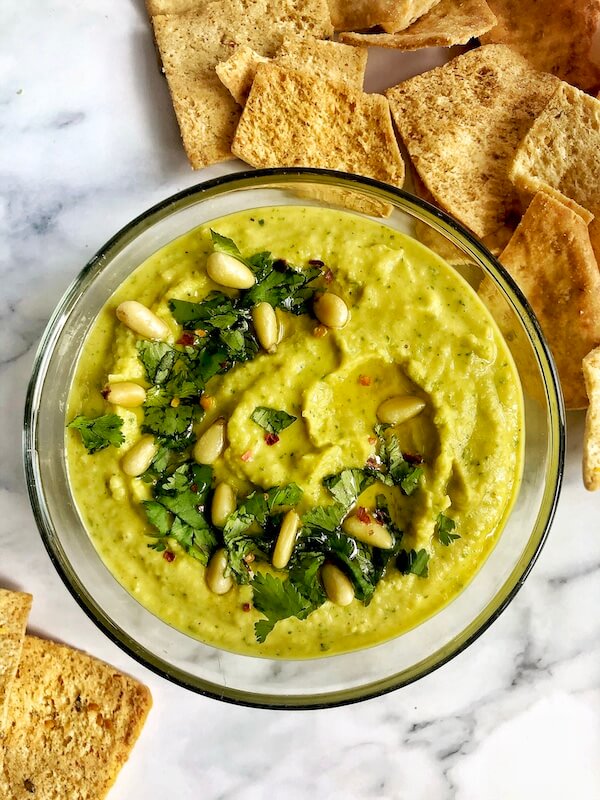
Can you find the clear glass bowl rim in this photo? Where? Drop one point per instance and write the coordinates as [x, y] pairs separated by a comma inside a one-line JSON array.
[[272, 178]]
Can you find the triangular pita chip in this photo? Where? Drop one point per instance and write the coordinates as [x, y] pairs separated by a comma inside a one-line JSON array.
[[294, 119], [450, 22], [14, 611], [462, 124], [192, 44], [72, 722], [561, 151], [391, 15], [591, 437], [551, 259], [555, 36]]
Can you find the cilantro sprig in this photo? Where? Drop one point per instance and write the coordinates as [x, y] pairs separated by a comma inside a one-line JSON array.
[[443, 529], [99, 432], [272, 420], [277, 600]]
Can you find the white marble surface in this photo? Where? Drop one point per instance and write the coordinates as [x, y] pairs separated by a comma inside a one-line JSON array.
[[87, 141]]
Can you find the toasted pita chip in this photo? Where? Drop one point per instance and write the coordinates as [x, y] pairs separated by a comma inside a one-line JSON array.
[[391, 15], [462, 123], [551, 258], [553, 35], [192, 44], [237, 73], [450, 22], [294, 119], [73, 721], [173, 6], [561, 151], [591, 437], [14, 610]]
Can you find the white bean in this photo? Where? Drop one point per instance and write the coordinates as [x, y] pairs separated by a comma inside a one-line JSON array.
[[331, 310], [338, 587], [139, 457], [223, 504], [217, 576], [211, 444], [400, 409], [266, 326], [140, 319], [286, 540], [370, 532], [229, 271], [125, 394]]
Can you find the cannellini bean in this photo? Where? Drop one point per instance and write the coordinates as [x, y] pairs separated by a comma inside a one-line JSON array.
[[141, 320], [400, 409], [331, 310], [211, 444], [286, 540], [229, 271], [266, 326], [370, 532], [125, 394], [223, 504], [217, 578], [139, 457], [338, 587]]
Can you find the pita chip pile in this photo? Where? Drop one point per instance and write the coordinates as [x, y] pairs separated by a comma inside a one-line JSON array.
[[68, 722], [505, 137]]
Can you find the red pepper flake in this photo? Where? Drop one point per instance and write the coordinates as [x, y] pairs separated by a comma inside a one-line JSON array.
[[374, 462], [364, 380], [169, 556], [271, 439], [245, 606], [379, 515], [194, 488], [105, 392], [187, 339], [363, 515], [247, 456], [413, 458], [316, 262], [372, 439], [328, 276], [280, 265]]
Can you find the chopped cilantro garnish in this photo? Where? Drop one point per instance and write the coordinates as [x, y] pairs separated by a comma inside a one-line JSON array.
[[348, 485], [271, 419], [396, 470], [172, 426], [99, 432], [413, 561], [277, 600], [443, 529]]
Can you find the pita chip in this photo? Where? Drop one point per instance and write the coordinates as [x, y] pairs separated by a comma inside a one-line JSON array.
[[14, 611], [550, 256], [591, 436], [462, 123], [555, 36], [391, 15], [237, 73], [450, 22]]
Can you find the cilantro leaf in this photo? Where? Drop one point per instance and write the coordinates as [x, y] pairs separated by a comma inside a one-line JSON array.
[[413, 561], [304, 575], [398, 471], [158, 516], [382, 558], [347, 485], [99, 432], [277, 600], [223, 244], [324, 518], [272, 420], [158, 359], [443, 529], [172, 426], [283, 286]]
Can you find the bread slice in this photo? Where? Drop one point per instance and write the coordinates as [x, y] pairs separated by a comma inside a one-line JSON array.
[[462, 124], [192, 44], [319, 56], [448, 23], [550, 256], [293, 118], [391, 15], [568, 28], [591, 437], [73, 721], [14, 611], [561, 151]]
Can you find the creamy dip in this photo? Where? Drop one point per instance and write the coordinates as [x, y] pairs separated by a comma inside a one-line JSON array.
[[415, 327]]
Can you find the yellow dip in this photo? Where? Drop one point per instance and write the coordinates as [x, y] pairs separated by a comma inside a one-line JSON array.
[[415, 327]]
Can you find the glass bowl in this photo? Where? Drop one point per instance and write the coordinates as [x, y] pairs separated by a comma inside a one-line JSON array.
[[326, 681]]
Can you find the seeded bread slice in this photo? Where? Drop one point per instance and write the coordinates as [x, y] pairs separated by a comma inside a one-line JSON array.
[[14, 610], [73, 721], [192, 44]]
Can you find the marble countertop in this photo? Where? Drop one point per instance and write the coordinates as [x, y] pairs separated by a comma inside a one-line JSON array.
[[88, 140]]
